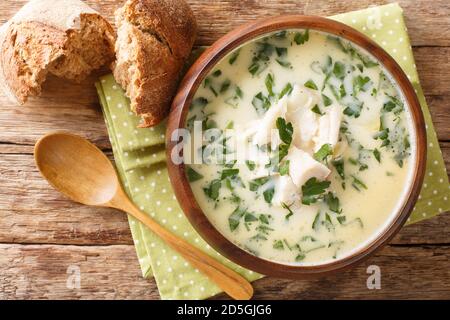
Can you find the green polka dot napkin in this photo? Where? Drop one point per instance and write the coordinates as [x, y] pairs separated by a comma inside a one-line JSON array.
[[140, 161]]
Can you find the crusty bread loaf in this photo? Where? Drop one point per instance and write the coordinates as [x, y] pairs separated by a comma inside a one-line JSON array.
[[154, 39], [63, 37]]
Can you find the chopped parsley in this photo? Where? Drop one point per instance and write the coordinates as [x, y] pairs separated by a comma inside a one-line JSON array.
[[235, 218], [324, 151], [377, 155], [278, 245], [250, 165], [286, 90], [229, 173], [326, 100], [339, 70], [283, 168], [333, 202], [358, 184], [301, 37], [193, 175], [285, 130], [199, 102], [261, 58], [261, 103], [317, 110], [285, 64], [233, 57], [212, 190], [269, 82], [288, 208], [313, 189], [217, 73], [311, 85], [353, 109]]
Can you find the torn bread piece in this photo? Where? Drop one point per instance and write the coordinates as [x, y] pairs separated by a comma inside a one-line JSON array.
[[154, 39], [64, 38]]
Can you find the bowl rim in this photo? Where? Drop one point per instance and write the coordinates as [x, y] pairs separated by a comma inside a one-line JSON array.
[[177, 118]]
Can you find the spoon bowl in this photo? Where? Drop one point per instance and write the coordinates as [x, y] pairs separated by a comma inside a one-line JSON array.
[[79, 170], [82, 172]]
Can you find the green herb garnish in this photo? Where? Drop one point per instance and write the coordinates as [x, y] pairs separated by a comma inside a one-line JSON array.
[[360, 84], [317, 110], [301, 37], [269, 82], [339, 70], [278, 245], [377, 155], [358, 184], [229, 173], [285, 64], [286, 90], [338, 164], [353, 109], [310, 84], [261, 103], [324, 151], [217, 73], [332, 202], [281, 52], [288, 208], [268, 194], [193, 175], [313, 189], [283, 168], [212, 190], [250, 165], [234, 56], [199, 102], [326, 100], [235, 218], [285, 130]]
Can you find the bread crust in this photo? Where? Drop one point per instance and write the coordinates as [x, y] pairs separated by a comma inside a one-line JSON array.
[[48, 43], [154, 40], [37, 40]]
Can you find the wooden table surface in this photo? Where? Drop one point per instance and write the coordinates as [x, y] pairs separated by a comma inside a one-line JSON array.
[[45, 237]]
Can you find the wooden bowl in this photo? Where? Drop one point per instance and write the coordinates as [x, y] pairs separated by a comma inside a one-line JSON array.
[[180, 108]]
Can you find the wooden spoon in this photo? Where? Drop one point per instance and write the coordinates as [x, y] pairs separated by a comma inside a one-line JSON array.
[[78, 169]]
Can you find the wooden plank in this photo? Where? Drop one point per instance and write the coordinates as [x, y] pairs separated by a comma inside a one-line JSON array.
[[445, 147], [433, 65], [406, 273], [216, 17], [40, 272], [111, 272], [440, 114], [430, 231], [62, 106], [31, 211]]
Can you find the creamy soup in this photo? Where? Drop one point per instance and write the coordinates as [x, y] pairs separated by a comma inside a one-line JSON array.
[[307, 153]]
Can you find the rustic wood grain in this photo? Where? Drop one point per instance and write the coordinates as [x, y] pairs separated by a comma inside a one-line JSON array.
[[111, 272], [33, 212], [41, 232]]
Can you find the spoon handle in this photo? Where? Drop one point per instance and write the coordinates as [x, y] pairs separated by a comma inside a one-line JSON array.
[[228, 280]]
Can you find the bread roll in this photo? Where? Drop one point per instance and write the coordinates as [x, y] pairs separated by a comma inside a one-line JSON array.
[[154, 39], [62, 37]]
